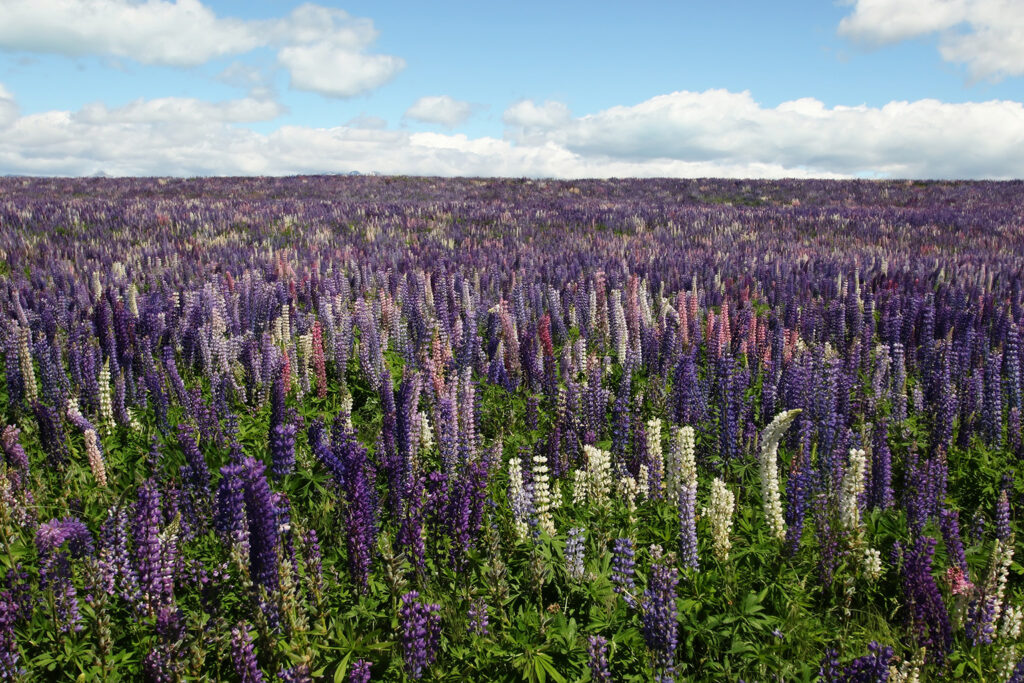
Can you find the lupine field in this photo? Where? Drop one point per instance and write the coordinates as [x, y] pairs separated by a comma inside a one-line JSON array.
[[366, 428]]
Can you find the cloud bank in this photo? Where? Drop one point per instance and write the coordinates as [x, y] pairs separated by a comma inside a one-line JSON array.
[[711, 133]]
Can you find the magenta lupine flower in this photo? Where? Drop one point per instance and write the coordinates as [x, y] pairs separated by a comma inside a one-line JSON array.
[[420, 625]]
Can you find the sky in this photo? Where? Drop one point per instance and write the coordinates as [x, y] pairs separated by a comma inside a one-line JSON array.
[[856, 88]]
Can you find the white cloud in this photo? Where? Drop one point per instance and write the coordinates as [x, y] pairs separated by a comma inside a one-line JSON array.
[[926, 138], [182, 110], [442, 110], [714, 133], [323, 48], [323, 68], [527, 114], [8, 107], [985, 35]]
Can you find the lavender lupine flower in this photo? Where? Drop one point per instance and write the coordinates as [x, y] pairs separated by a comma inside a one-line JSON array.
[[117, 575], [246, 667], [360, 671], [17, 459], [10, 668], [624, 570], [360, 505], [282, 450], [597, 651], [313, 559], [660, 627], [574, 554], [57, 542], [1003, 529], [420, 625], [300, 673]]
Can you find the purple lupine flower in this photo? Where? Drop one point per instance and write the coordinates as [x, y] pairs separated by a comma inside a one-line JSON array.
[[949, 523], [658, 610], [421, 632], [313, 559], [624, 570], [688, 526], [244, 658], [360, 671], [927, 611], [410, 533], [870, 668], [798, 488], [1018, 673], [880, 494], [16, 456], [597, 652], [51, 434], [282, 450], [148, 555], [299, 673], [829, 670], [359, 508], [478, 617], [229, 512], [261, 513], [57, 542]]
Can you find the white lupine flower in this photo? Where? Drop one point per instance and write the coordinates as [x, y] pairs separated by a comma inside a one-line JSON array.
[[426, 434], [580, 487], [768, 461], [517, 496], [542, 495], [643, 482], [654, 451], [28, 371], [1010, 627], [346, 408], [106, 404], [872, 560], [687, 456], [681, 439], [599, 474], [133, 300], [556, 496], [719, 513], [853, 488], [999, 571], [627, 490]]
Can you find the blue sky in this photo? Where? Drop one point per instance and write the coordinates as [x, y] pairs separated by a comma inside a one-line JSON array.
[[870, 88]]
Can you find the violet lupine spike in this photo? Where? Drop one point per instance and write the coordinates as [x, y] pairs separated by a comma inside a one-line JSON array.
[[624, 570], [659, 613], [243, 656], [261, 513], [361, 670], [927, 610], [597, 659], [58, 542], [420, 625], [282, 450]]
